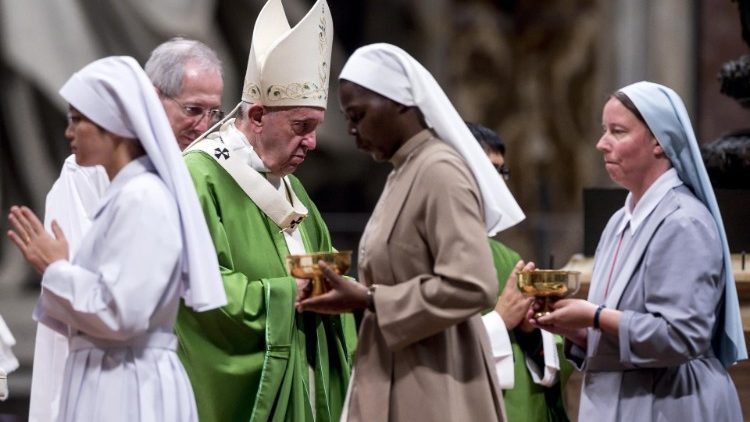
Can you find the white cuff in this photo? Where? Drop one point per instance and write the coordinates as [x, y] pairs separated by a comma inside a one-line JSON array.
[[3, 385], [551, 362], [502, 351], [8, 361]]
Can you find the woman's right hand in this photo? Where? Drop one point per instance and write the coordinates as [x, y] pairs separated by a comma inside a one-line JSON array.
[[555, 324], [37, 246]]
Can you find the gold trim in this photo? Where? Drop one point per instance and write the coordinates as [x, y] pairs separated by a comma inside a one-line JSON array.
[[298, 90], [295, 91], [252, 90]]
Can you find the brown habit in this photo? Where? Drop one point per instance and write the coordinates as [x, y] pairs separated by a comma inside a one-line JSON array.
[[424, 354]]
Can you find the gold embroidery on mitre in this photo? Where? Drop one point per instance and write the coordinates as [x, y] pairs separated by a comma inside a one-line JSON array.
[[252, 91], [296, 91], [323, 47]]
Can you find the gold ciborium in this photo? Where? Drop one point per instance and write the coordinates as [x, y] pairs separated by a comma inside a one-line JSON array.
[[547, 286], [306, 266]]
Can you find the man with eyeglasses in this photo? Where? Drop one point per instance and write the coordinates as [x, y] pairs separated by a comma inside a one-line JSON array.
[[493, 146], [527, 359], [188, 77]]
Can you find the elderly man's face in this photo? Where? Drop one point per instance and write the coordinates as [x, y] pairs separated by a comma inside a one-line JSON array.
[[194, 110], [284, 135]]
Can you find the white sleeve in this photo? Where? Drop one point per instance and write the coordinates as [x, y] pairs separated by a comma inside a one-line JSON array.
[[502, 351], [8, 361], [551, 362], [3, 385], [137, 258]]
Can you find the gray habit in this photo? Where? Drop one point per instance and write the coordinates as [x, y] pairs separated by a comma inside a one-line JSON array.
[[660, 366]]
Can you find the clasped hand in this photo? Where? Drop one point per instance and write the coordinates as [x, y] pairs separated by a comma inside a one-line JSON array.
[[37, 246]]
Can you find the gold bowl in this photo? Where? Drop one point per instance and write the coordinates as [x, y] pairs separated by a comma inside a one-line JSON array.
[[306, 266], [547, 286]]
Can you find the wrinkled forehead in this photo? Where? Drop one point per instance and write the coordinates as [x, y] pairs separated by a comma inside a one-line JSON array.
[[298, 113]]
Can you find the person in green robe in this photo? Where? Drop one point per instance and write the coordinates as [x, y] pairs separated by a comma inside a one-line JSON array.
[[538, 388], [256, 359]]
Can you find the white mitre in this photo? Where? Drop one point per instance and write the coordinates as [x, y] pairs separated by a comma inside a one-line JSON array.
[[290, 66], [287, 66]]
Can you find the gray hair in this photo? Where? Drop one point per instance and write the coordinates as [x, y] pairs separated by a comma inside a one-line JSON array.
[[244, 107], [166, 65]]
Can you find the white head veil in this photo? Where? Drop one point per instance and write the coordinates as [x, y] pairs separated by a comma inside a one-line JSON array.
[[116, 94], [666, 116], [394, 74]]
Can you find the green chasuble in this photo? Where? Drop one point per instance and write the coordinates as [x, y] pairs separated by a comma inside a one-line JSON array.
[[248, 361], [528, 401]]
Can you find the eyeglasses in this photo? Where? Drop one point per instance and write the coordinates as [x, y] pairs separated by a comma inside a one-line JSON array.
[[194, 110], [503, 170]]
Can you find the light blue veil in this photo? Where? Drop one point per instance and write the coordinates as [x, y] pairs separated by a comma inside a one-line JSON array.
[[666, 116]]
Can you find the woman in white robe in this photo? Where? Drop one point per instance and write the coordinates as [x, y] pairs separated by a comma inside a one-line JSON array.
[[148, 246], [661, 323]]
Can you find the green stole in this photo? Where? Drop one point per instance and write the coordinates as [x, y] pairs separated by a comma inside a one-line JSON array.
[[528, 401], [247, 361]]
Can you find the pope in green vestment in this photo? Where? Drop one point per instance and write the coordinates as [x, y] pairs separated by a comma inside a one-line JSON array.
[[528, 401], [257, 358], [249, 361]]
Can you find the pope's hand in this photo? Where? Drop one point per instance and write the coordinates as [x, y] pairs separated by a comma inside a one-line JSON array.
[[304, 288]]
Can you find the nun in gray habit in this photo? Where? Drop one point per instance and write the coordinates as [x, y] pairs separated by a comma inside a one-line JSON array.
[[661, 323]]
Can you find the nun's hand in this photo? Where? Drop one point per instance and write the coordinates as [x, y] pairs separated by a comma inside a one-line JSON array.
[[37, 246], [344, 295], [570, 313], [569, 318]]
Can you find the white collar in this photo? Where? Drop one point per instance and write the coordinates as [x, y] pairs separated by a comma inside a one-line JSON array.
[[132, 169], [654, 194], [237, 143], [272, 194]]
